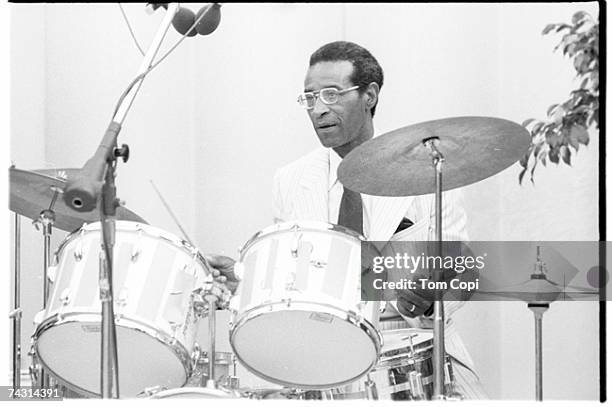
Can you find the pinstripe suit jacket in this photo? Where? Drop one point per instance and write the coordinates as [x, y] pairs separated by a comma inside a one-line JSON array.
[[301, 193]]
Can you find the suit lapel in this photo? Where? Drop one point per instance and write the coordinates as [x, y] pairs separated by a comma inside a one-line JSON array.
[[387, 213], [312, 195]]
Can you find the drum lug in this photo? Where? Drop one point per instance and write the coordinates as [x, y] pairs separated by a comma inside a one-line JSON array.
[[416, 385], [150, 391], [196, 353], [78, 252], [65, 296], [354, 316], [200, 307], [122, 299], [370, 389], [297, 237], [318, 264]]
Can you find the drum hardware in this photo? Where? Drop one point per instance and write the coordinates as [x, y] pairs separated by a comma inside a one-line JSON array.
[[32, 191], [225, 371], [539, 292], [16, 313], [471, 148], [371, 393], [45, 223]]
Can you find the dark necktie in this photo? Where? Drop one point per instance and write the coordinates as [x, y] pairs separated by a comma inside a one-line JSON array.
[[351, 211]]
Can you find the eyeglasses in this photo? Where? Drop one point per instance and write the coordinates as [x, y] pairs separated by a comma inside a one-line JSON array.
[[329, 96]]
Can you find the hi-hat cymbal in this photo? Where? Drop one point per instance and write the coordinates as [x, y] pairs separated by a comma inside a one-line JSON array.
[[31, 192], [399, 164], [542, 291]]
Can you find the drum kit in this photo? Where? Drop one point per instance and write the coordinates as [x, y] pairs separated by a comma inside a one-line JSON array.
[[135, 294], [297, 317]]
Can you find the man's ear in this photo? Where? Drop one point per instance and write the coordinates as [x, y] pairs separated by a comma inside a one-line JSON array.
[[371, 94]]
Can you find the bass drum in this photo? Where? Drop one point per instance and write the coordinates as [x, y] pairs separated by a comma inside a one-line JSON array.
[[298, 319], [155, 274], [195, 393]]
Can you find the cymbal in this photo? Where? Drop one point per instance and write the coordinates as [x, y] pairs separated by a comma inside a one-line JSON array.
[[31, 192], [542, 277], [542, 291], [397, 163]]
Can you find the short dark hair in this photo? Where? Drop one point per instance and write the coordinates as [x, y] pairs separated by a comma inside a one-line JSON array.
[[366, 68]]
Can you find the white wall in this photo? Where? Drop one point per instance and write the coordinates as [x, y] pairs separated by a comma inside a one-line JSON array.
[[213, 122]]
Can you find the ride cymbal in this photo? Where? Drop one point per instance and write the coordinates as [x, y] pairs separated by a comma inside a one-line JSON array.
[[398, 163]]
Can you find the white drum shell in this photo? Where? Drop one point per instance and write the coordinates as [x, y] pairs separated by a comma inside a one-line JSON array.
[[298, 318], [154, 276]]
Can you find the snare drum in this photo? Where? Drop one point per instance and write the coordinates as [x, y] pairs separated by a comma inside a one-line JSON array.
[[298, 319], [225, 371], [405, 369], [154, 276]]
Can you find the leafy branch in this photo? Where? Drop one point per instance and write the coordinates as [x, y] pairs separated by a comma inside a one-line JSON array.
[[567, 123]]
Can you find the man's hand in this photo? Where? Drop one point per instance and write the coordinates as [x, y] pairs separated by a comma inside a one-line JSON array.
[[223, 271], [412, 304]]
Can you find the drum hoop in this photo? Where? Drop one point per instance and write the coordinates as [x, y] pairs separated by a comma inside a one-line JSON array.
[[183, 390], [306, 225], [177, 348], [225, 357], [149, 230], [352, 318]]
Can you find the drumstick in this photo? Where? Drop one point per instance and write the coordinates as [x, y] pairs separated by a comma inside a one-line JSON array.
[[185, 235]]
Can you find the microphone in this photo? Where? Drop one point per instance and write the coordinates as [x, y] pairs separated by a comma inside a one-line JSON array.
[[82, 191], [210, 21], [183, 20]]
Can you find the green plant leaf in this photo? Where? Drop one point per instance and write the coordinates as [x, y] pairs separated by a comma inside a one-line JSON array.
[[548, 28], [566, 155], [580, 134], [551, 109], [563, 26], [578, 16], [532, 171], [553, 155], [521, 175], [528, 122], [536, 129]]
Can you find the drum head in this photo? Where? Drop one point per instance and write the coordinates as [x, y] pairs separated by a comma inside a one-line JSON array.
[[305, 348], [71, 351]]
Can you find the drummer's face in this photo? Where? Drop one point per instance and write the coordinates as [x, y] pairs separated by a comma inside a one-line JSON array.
[[346, 123]]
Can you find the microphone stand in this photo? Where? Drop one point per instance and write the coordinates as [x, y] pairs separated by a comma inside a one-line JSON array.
[[109, 372]]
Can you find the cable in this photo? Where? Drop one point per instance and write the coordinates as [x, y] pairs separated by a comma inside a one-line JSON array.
[[131, 31]]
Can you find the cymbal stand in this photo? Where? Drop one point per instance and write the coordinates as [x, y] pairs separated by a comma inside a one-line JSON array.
[[538, 309], [438, 315], [16, 313], [45, 221], [208, 298], [211, 300]]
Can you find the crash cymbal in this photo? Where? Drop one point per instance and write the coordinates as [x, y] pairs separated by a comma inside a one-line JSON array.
[[31, 192], [399, 164]]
